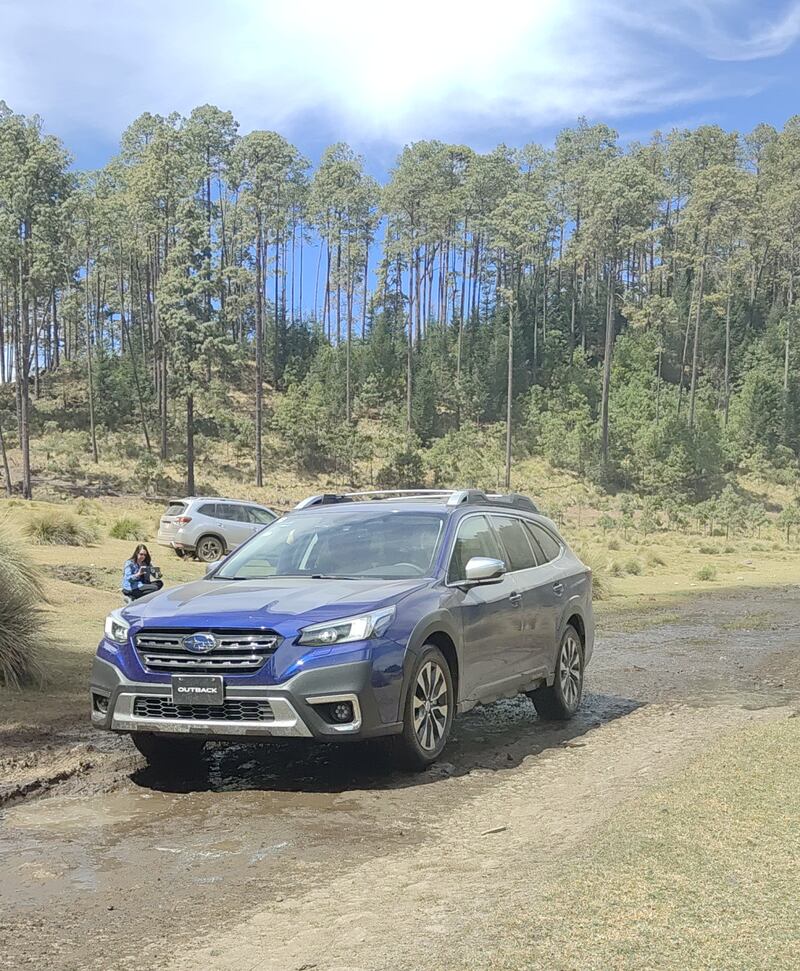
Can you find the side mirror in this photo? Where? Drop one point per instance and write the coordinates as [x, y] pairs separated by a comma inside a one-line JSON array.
[[214, 564], [485, 569]]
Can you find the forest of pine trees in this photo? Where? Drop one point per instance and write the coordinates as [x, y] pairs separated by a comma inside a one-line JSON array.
[[627, 310]]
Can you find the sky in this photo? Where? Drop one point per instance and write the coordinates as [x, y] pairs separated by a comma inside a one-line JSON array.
[[379, 76]]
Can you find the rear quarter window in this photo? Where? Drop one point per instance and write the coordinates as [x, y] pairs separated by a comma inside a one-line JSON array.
[[544, 539], [208, 509]]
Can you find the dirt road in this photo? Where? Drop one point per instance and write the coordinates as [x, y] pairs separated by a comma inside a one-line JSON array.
[[290, 858]]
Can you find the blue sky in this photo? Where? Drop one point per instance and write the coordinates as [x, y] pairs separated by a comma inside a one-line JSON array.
[[380, 76]]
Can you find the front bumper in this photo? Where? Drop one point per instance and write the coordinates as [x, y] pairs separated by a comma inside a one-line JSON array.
[[293, 703]]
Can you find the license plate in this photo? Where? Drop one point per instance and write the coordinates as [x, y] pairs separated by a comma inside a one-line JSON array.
[[197, 689]]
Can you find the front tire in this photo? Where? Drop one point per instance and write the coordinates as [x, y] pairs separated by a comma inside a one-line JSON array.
[[164, 752], [428, 711], [560, 701]]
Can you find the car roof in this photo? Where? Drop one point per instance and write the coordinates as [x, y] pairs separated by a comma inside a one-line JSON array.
[[238, 502]]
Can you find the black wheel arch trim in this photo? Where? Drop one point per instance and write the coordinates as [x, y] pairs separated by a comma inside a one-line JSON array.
[[440, 622]]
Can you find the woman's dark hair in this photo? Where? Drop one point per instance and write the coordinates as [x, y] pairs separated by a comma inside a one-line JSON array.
[[138, 549]]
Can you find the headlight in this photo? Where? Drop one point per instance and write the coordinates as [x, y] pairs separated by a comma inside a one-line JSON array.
[[116, 627], [358, 628]]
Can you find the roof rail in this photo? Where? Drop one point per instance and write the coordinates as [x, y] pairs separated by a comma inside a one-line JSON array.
[[326, 499], [455, 497]]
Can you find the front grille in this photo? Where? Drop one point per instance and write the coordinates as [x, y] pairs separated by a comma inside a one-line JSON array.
[[228, 711], [237, 652]]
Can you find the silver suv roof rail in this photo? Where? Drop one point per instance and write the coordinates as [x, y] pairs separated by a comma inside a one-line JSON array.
[[455, 497]]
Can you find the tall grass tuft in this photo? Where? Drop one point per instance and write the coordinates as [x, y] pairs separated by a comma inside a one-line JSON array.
[[57, 528], [21, 619], [128, 528]]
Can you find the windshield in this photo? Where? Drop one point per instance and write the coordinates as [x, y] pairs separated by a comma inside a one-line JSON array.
[[385, 544]]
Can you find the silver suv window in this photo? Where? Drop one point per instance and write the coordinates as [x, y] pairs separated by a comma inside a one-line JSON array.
[[175, 509], [232, 512], [515, 542], [260, 517], [474, 538], [208, 509]]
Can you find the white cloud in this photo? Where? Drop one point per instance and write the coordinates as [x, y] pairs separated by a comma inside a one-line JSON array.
[[370, 69]]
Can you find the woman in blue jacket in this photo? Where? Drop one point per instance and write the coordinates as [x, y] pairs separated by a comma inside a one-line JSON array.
[[139, 576]]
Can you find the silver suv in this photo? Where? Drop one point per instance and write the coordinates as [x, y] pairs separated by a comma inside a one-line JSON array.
[[210, 527]]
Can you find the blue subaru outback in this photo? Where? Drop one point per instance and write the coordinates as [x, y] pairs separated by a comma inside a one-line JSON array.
[[352, 617]]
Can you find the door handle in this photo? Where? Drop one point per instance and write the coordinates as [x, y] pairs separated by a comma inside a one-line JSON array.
[[558, 589], [515, 598]]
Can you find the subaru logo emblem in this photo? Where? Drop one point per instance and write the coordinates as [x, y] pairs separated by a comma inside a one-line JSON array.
[[200, 643]]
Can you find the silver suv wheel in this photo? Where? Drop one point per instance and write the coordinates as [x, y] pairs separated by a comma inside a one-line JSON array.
[[209, 548]]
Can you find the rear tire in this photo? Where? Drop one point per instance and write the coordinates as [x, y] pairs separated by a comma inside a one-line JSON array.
[[428, 712], [209, 549], [164, 752], [560, 700]]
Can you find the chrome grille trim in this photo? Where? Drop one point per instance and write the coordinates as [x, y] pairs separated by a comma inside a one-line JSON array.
[[236, 651], [153, 706]]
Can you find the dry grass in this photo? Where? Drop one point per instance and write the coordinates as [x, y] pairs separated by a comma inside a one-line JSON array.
[[58, 528], [701, 873], [21, 618], [128, 528]]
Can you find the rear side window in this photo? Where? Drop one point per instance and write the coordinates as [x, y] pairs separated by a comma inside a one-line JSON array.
[[208, 509], [260, 516], [232, 512], [519, 555], [545, 541], [175, 509], [475, 538]]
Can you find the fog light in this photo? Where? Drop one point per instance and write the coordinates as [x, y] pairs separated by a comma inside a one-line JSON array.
[[101, 704], [342, 711]]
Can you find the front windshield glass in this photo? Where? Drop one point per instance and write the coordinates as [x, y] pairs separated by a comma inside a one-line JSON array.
[[384, 544]]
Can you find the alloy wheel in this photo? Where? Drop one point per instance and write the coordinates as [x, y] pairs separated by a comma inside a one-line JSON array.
[[570, 673], [431, 706]]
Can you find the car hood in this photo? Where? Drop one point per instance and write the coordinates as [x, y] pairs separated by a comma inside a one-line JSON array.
[[282, 603]]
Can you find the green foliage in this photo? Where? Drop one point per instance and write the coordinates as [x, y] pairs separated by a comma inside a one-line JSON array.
[[404, 470], [471, 457], [706, 573], [57, 528], [126, 527], [634, 567], [21, 620]]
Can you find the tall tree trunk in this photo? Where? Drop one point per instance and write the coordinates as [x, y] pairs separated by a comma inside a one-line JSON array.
[[190, 490], [727, 381], [6, 470], [89, 376], [509, 390], [609, 348], [696, 346], [259, 347]]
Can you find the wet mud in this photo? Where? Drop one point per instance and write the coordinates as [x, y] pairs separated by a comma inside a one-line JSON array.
[[103, 860]]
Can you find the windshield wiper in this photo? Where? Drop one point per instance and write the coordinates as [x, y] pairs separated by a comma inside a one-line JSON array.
[[331, 576]]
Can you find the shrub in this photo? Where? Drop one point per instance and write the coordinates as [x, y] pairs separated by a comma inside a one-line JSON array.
[[613, 544], [634, 567], [706, 573], [616, 569], [708, 550], [128, 528], [59, 529], [653, 559], [600, 584], [21, 620]]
